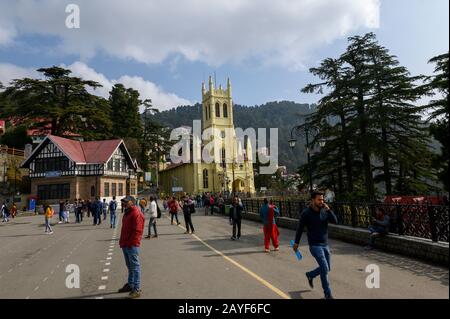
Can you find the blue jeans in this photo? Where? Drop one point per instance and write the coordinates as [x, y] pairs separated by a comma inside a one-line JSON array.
[[375, 229], [322, 256], [48, 228], [113, 218], [134, 269]]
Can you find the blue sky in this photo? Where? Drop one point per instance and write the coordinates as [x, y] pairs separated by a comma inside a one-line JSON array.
[[166, 51]]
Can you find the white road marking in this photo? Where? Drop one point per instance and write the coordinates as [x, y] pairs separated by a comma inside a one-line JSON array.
[[52, 272], [10, 270], [45, 279], [105, 278], [105, 270], [110, 254], [108, 258], [98, 297], [35, 289], [28, 297], [107, 264], [103, 287]]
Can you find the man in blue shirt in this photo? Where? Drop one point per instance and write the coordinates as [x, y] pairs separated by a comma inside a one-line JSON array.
[[316, 218]]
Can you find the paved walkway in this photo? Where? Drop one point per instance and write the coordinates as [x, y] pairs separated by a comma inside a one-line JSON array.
[[205, 265]]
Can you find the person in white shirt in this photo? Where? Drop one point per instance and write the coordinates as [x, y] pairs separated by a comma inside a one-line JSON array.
[[152, 209]]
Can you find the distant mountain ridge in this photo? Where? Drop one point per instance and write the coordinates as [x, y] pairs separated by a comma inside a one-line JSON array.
[[283, 115]]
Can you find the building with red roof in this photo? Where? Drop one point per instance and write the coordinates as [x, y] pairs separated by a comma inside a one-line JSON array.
[[62, 168]]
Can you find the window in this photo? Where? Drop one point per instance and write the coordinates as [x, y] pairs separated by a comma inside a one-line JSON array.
[[52, 164], [124, 165], [206, 112], [225, 110], [222, 158], [117, 168], [110, 165], [55, 191], [209, 110], [217, 110], [205, 178], [133, 189], [106, 190], [120, 189], [114, 189]]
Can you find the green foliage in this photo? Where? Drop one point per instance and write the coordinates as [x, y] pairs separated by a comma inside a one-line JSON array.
[[58, 101], [16, 137]]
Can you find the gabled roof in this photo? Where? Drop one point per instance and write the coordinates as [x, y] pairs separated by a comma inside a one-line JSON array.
[[93, 152]]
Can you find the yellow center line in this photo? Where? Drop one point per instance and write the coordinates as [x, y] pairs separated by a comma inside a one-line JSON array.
[[245, 269]]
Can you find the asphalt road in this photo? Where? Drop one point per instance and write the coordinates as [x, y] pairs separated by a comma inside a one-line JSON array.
[[205, 265]]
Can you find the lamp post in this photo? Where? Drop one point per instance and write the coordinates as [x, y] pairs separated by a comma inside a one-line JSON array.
[[305, 129]]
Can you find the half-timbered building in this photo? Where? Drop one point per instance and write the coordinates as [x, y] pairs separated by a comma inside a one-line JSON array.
[[63, 169]]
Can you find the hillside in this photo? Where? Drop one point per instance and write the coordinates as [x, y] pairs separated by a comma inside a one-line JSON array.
[[282, 115]]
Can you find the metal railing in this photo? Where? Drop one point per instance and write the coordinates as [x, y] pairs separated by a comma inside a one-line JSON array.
[[416, 220]]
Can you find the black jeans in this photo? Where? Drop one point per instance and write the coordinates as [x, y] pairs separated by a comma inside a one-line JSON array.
[[237, 222], [188, 220], [152, 223], [172, 216]]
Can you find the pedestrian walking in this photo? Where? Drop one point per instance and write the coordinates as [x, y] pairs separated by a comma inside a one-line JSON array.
[[104, 208], [61, 212], [174, 208], [268, 212], [66, 209], [112, 211], [236, 218], [152, 210], [13, 210], [130, 241], [188, 209], [97, 211], [89, 208], [221, 204], [316, 218], [207, 204], [48, 214], [5, 213]]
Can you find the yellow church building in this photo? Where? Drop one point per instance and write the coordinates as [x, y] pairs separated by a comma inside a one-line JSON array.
[[233, 172]]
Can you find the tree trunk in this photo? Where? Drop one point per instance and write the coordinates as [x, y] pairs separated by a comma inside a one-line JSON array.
[[347, 155], [386, 166], [365, 153]]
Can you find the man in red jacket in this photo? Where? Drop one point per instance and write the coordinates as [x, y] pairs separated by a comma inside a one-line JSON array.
[[130, 241]]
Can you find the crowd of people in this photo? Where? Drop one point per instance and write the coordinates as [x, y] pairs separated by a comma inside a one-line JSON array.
[[314, 218]]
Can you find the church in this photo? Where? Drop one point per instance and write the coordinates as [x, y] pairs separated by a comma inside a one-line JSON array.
[[227, 175]]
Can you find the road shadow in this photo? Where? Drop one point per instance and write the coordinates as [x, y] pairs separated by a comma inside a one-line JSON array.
[[415, 266], [25, 235], [96, 295], [298, 294], [261, 251]]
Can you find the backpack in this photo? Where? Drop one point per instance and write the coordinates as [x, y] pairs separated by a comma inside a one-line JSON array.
[[158, 210], [112, 205], [192, 209]]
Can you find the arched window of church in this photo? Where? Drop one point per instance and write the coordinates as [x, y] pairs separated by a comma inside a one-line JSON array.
[[206, 112], [222, 158], [209, 110], [205, 178], [225, 110], [217, 110]]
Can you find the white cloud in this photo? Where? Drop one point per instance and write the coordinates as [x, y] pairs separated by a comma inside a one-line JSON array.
[[148, 90], [279, 32], [9, 72]]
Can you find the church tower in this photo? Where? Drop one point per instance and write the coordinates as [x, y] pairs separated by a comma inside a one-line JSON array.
[[217, 106], [217, 113]]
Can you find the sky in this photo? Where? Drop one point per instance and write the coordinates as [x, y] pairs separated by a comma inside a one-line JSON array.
[[166, 48]]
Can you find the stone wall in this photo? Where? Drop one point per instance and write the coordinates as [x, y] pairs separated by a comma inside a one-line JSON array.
[[420, 248]]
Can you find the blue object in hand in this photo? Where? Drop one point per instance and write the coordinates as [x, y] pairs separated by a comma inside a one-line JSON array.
[[297, 253]]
